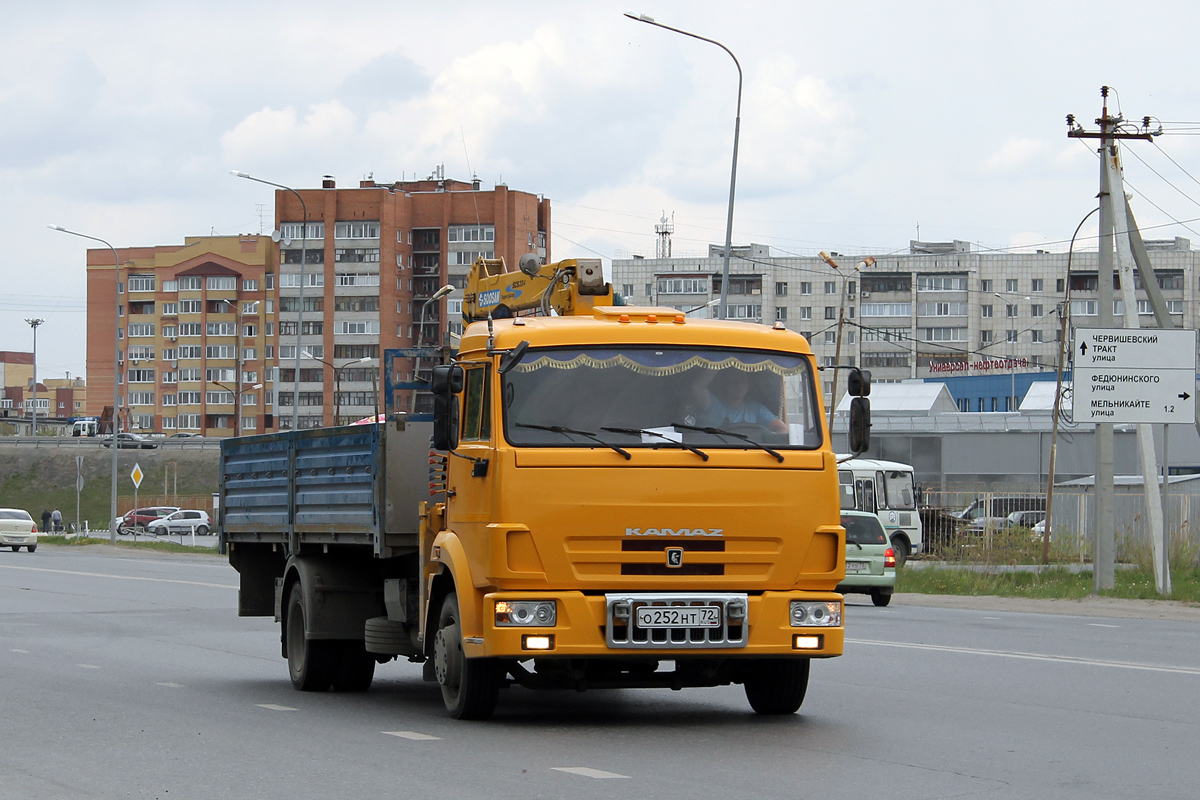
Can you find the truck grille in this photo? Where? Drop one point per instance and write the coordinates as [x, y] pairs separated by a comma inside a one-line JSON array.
[[622, 631]]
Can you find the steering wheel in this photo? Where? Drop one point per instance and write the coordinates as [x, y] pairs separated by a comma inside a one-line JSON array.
[[751, 429]]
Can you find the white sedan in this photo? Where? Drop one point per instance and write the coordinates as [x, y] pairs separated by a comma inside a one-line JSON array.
[[182, 521], [17, 529]]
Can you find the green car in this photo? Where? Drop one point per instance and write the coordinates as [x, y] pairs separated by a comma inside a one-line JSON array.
[[870, 560]]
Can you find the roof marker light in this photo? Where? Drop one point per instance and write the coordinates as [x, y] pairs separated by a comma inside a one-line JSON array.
[[652, 318]]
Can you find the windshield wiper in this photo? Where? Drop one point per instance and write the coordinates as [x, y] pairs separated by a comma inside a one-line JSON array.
[[663, 436], [720, 432], [588, 434]]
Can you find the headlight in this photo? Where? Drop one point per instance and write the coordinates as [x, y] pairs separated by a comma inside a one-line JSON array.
[[526, 613], [823, 614]]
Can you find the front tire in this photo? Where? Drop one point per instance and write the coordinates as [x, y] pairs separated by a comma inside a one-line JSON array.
[[777, 686], [312, 663], [470, 686]]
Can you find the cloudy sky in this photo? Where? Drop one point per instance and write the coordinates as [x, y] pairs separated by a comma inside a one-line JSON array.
[[860, 122]]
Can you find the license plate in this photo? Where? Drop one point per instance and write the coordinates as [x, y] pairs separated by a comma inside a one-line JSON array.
[[857, 566], [678, 617]]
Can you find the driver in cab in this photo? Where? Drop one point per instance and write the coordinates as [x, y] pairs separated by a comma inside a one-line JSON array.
[[722, 399]]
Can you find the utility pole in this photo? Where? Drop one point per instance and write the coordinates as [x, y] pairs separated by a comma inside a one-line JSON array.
[[1112, 129]]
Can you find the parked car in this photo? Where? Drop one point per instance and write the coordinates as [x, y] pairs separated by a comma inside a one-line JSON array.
[[17, 529], [870, 559], [1025, 519], [182, 521], [1039, 529], [130, 441], [185, 436], [139, 518]]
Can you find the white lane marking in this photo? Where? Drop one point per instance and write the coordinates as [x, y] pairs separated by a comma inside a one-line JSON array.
[[18, 650], [87, 666], [1101, 625], [120, 577], [171, 685], [274, 707], [991, 618], [588, 772], [416, 737], [1090, 662]]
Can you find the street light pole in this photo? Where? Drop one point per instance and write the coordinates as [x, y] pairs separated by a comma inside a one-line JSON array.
[[33, 323], [723, 309], [300, 298], [337, 383], [112, 516]]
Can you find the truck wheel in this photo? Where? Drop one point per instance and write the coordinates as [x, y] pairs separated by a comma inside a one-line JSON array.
[[470, 686], [777, 686], [356, 670], [311, 662], [900, 547]]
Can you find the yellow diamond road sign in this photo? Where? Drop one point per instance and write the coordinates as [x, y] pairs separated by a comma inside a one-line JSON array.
[[136, 475]]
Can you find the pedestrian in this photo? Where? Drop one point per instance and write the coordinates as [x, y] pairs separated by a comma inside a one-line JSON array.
[[45, 520], [56, 518]]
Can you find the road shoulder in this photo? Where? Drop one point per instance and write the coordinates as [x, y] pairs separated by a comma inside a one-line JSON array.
[[1091, 606]]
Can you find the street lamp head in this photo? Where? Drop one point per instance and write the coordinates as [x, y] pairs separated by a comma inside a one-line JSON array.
[[238, 174], [640, 17], [57, 228], [364, 360], [442, 292]]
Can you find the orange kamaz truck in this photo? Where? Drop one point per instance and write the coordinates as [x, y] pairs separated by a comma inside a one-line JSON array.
[[608, 496]]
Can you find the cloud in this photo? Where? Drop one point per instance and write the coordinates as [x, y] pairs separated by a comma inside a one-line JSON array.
[[1016, 155]]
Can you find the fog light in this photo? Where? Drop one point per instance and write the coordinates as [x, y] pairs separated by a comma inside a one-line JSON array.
[[526, 613], [802, 642], [529, 642]]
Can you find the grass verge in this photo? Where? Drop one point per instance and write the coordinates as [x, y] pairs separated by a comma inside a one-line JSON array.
[[160, 545], [1050, 583]]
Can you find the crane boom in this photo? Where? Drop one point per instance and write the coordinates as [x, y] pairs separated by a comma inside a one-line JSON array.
[[570, 287]]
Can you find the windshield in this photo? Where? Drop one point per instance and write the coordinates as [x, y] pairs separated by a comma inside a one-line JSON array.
[[658, 397], [899, 490]]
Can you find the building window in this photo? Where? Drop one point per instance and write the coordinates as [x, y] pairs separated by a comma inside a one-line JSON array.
[[1012, 336], [1010, 310], [249, 285], [472, 233], [986, 311], [221, 374], [683, 286], [830, 337], [221, 283], [1058, 285], [805, 287], [1037, 285], [218, 398], [356, 327], [170, 309], [310, 256], [942, 309], [985, 285], [886, 309], [943, 334], [291, 304], [170, 286], [465, 258], [189, 328], [1010, 285], [941, 283], [780, 289], [1036, 336], [357, 279], [141, 283], [356, 255], [220, 351], [190, 306], [358, 229], [292, 280], [140, 375], [885, 334], [830, 312], [293, 230], [781, 313], [830, 287], [189, 375], [189, 398], [141, 398], [806, 312], [627, 290], [221, 329], [985, 337], [1084, 308], [169, 399], [1035, 310], [141, 329], [188, 421]]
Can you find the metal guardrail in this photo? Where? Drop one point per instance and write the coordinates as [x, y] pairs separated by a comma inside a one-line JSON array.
[[97, 443]]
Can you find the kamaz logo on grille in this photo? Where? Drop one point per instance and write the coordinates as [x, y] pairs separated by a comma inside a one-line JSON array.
[[489, 298], [674, 531], [674, 556]]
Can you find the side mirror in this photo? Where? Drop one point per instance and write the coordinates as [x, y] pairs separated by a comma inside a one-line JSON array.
[[512, 357], [445, 422], [860, 425], [447, 379], [858, 384]]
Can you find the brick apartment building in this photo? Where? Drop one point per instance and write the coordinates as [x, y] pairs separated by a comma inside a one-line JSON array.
[[213, 331]]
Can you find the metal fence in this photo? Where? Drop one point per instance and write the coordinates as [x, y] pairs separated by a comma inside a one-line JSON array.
[[948, 538]]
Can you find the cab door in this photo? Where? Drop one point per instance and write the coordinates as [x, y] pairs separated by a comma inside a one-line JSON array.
[[469, 499]]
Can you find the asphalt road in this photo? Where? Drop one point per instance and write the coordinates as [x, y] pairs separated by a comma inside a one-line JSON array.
[[131, 676]]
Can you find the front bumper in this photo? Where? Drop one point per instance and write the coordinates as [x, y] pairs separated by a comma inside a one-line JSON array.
[[580, 630]]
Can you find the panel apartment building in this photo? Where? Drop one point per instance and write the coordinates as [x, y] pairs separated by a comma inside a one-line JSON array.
[[212, 332], [941, 309]]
